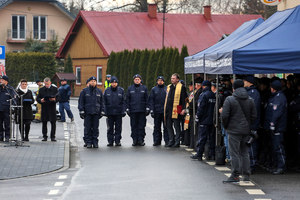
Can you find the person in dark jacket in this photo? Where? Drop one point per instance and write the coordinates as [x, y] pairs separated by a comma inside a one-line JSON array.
[[114, 109], [174, 109], [137, 108], [237, 114], [90, 106], [64, 92], [27, 110], [48, 97], [6, 93], [205, 111], [156, 102], [275, 122], [249, 82]]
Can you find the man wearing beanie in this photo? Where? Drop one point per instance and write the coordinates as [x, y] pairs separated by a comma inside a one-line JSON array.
[[137, 108], [156, 103], [275, 122], [249, 82], [237, 114], [90, 106], [114, 109], [204, 117], [6, 93]]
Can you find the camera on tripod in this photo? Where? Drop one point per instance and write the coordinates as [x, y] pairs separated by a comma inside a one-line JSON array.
[[253, 135]]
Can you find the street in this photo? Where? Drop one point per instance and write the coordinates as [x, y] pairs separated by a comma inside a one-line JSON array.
[[148, 172]]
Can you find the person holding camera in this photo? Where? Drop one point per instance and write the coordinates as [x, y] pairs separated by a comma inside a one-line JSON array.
[[6, 93], [90, 106], [156, 102], [114, 109], [48, 97], [28, 100], [237, 114]]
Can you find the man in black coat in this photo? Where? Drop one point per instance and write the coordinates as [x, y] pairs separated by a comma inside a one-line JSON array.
[[27, 110], [48, 97], [137, 109], [238, 113]]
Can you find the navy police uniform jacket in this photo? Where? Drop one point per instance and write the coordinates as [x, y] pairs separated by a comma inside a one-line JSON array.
[[91, 101], [137, 98], [114, 101], [5, 95], [206, 106], [254, 94], [276, 112], [157, 99]]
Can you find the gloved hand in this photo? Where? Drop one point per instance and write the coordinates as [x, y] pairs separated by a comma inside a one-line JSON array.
[[272, 126], [124, 114], [103, 113], [152, 114], [128, 112], [196, 119], [81, 114], [147, 111]]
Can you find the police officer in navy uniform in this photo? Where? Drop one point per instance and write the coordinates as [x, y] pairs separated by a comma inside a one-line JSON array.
[[114, 109], [137, 109], [204, 117], [156, 103], [6, 93], [275, 122], [90, 106], [253, 93]]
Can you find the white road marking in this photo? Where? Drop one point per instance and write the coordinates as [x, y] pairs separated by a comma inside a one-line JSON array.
[[246, 183], [53, 192], [228, 175], [194, 153], [255, 192], [223, 168], [211, 163], [262, 199], [189, 149], [62, 176], [73, 105], [57, 184], [149, 125]]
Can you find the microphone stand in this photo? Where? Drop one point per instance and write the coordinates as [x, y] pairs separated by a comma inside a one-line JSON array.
[[16, 118]]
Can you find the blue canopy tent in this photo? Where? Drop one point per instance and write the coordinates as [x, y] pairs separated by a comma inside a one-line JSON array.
[[194, 63], [272, 47]]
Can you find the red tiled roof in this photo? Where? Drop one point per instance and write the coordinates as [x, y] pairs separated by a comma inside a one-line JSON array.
[[67, 76], [117, 31]]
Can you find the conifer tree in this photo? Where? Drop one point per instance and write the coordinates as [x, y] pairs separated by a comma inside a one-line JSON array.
[[68, 68], [111, 63]]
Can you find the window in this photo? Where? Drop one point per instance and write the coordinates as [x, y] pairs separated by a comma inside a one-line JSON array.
[[78, 75], [39, 28], [18, 27], [99, 75]]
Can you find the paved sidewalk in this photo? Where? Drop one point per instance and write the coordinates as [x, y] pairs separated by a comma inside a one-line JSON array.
[[39, 158]]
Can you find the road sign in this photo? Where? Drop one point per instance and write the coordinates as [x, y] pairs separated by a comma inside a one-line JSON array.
[[271, 2], [2, 52]]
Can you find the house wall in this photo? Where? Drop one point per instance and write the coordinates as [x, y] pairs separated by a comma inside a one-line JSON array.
[[286, 4], [86, 53], [56, 20]]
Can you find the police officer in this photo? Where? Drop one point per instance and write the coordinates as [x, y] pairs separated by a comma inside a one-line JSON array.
[[137, 109], [275, 121], [6, 93], [253, 93], [107, 81], [90, 106], [114, 109], [156, 103], [205, 112]]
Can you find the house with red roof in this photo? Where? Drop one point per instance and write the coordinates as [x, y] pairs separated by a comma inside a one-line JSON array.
[[94, 35]]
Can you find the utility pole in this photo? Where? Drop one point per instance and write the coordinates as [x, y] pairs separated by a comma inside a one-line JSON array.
[[164, 20]]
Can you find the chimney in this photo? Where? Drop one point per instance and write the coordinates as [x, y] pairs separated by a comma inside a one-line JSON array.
[[152, 11], [207, 12]]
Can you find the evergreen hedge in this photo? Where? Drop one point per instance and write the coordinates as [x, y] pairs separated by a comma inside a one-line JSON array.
[[148, 63], [30, 66]]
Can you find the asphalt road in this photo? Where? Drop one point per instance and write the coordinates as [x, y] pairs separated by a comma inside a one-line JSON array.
[[155, 173]]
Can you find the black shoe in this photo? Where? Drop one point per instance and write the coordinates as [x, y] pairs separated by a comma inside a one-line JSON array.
[[84, 145], [278, 171], [6, 140], [141, 143], [134, 143], [61, 120], [1, 139], [89, 146], [196, 157], [170, 145], [110, 144], [118, 144], [210, 158], [26, 140], [232, 179], [53, 140], [44, 140], [246, 178], [156, 143], [95, 146], [176, 145]]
